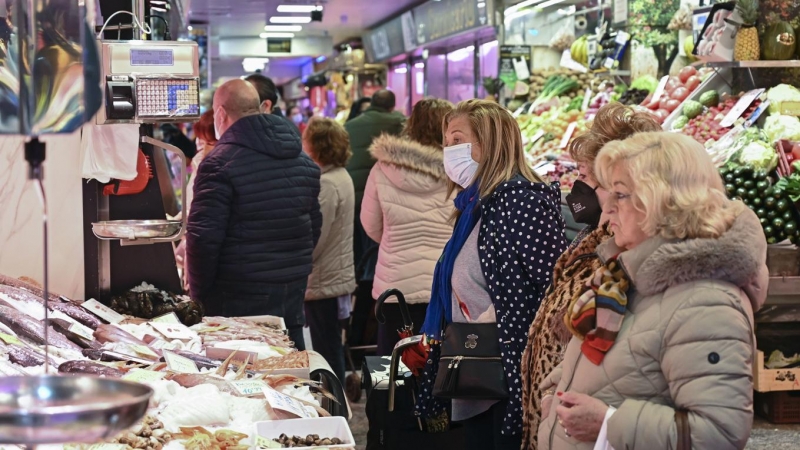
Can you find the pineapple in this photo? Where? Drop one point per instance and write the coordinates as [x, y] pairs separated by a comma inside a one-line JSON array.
[[746, 47]]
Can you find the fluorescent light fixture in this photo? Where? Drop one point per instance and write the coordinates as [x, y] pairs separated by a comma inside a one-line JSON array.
[[190, 28], [298, 8], [290, 19], [517, 14], [481, 4], [420, 65], [276, 35], [284, 28], [401, 69], [321, 58], [518, 6], [253, 64]]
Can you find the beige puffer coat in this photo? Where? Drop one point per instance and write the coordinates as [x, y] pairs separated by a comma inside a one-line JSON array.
[[333, 273], [686, 343], [407, 211]]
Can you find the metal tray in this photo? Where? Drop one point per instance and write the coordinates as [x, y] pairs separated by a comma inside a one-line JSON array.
[[67, 409], [136, 229]]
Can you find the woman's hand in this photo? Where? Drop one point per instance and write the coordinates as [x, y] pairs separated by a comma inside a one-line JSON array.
[[580, 415]]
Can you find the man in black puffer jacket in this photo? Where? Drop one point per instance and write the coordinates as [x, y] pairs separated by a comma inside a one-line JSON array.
[[255, 218]]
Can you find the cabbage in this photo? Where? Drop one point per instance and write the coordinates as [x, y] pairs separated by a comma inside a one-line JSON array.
[[781, 93], [780, 127], [759, 155], [645, 82]]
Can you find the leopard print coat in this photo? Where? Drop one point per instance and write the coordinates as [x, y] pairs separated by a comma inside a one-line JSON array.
[[548, 336]]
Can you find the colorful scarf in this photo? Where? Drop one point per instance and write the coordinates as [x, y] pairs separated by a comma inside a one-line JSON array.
[[596, 313], [441, 305]]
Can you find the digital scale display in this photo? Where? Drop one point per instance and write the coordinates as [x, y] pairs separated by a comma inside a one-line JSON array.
[[152, 57]]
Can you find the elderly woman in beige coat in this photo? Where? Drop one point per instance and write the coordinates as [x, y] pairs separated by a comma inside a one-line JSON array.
[[406, 210], [332, 278], [664, 336]]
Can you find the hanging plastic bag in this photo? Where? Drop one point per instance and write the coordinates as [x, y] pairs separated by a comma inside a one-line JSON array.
[[109, 151], [565, 36], [643, 61]]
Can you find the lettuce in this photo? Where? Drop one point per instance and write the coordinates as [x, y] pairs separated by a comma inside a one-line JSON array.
[[778, 126], [781, 93], [645, 82], [759, 155]]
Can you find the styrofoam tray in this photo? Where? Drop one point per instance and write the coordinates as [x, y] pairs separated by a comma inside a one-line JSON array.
[[329, 427]]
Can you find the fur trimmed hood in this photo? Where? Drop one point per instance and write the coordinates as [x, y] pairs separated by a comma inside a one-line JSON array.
[[409, 155], [738, 256]]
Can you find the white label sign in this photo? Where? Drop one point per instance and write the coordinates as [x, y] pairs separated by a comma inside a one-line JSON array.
[[285, 403], [249, 387], [180, 364], [587, 97], [740, 107], [143, 376], [662, 85], [173, 331], [568, 134], [82, 331], [103, 311], [167, 318], [620, 11]]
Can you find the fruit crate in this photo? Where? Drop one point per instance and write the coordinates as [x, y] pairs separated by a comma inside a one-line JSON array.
[[718, 81], [779, 407], [770, 380]]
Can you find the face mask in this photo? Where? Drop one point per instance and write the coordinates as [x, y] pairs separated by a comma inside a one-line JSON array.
[[459, 165], [297, 119], [584, 204]]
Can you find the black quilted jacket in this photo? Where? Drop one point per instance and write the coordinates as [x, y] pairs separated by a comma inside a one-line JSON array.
[[255, 218]]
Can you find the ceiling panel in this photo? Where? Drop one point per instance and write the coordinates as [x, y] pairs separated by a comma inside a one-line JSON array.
[[342, 19]]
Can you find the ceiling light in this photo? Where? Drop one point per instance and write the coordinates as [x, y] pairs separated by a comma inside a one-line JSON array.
[[276, 35], [283, 28], [254, 64], [299, 8], [481, 4], [290, 19], [190, 28], [420, 65]]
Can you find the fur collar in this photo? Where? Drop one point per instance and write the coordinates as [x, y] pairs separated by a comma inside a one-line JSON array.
[[409, 155], [738, 257]]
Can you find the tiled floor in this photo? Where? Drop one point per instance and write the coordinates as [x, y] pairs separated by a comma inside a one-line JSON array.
[[765, 436]]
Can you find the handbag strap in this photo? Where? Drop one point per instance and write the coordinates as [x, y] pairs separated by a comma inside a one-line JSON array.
[[684, 431]]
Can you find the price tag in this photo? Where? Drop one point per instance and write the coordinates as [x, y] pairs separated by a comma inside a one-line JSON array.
[[167, 318], [144, 350], [102, 311], [263, 442], [108, 447], [249, 387], [620, 11], [587, 97], [662, 85], [173, 331], [609, 63], [285, 403], [568, 135], [143, 376], [789, 108], [539, 134], [757, 113], [740, 107], [9, 339], [82, 331], [180, 364], [591, 47], [622, 38]]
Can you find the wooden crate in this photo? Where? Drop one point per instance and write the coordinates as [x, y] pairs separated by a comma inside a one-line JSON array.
[[769, 380]]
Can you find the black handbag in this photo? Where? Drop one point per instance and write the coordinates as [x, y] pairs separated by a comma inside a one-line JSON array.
[[470, 366]]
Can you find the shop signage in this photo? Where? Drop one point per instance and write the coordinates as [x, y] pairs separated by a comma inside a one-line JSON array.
[[514, 63], [279, 45], [440, 19], [393, 38]]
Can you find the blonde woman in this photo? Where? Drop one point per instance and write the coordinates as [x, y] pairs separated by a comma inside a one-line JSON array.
[[333, 277], [495, 268], [670, 332]]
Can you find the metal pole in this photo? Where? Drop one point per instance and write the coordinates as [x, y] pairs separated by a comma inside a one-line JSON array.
[[476, 69]]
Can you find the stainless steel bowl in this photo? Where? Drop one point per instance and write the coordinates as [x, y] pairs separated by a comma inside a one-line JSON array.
[[67, 409], [136, 229]]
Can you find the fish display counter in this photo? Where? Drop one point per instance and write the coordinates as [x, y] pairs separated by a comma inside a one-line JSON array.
[[214, 382]]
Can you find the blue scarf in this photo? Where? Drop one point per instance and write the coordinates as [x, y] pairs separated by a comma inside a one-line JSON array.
[[441, 305]]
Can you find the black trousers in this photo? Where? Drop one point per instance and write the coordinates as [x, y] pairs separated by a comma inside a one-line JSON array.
[[387, 332], [322, 317], [482, 432]]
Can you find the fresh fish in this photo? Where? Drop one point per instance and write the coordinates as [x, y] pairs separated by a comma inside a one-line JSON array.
[[56, 304], [9, 369], [62, 326], [188, 380], [92, 353], [202, 362], [90, 368], [110, 333], [24, 357], [31, 329]]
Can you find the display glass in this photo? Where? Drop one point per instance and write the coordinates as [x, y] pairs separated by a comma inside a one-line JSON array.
[[152, 57], [489, 57], [398, 83], [437, 76], [461, 74]]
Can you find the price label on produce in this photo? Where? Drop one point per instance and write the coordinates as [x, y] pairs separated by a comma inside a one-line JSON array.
[[568, 134], [107, 447], [9, 339], [662, 86], [790, 108], [173, 331], [262, 442], [143, 376], [537, 136], [757, 113], [278, 400], [740, 107], [144, 350], [249, 387], [82, 331], [167, 318], [180, 364], [103, 311], [587, 97]]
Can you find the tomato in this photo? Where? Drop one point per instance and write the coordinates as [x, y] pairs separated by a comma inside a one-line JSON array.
[[662, 114], [686, 73], [672, 104], [647, 100], [692, 83], [672, 83], [680, 94]]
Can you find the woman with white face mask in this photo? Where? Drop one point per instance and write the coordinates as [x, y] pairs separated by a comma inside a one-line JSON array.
[[491, 277]]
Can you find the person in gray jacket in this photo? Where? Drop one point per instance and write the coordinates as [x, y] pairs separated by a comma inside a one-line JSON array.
[[665, 326]]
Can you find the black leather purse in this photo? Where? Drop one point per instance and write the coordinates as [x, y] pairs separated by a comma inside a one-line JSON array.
[[470, 366]]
